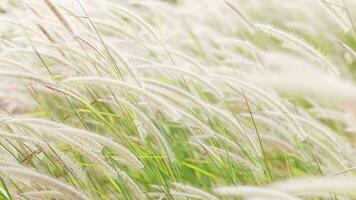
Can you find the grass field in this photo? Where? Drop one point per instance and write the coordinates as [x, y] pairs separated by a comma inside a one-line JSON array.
[[178, 99]]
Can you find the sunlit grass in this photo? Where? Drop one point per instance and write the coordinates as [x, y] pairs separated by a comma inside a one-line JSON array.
[[184, 99]]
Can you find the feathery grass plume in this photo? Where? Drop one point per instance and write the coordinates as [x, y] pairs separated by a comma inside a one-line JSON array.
[[126, 86], [257, 53], [192, 121], [21, 138], [271, 143], [114, 173], [267, 121], [135, 189], [44, 134], [130, 69], [127, 154], [193, 190], [188, 73], [336, 162], [45, 51], [253, 192], [339, 18], [79, 134], [190, 60], [230, 156], [174, 194], [43, 180], [141, 130], [158, 195], [189, 119], [328, 114], [245, 21], [339, 142], [177, 193], [43, 194], [48, 83], [229, 142], [269, 100], [326, 154], [310, 50], [172, 89], [321, 195], [59, 16], [26, 76], [73, 166], [132, 72], [16, 64], [119, 9], [159, 138], [346, 47], [323, 134], [235, 123], [310, 83], [337, 184]]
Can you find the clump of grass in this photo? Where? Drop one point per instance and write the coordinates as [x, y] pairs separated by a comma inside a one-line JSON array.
[[177, 100]]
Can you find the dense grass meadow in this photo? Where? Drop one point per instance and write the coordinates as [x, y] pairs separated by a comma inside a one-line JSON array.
[[177, 99]]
